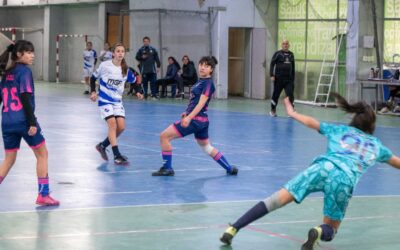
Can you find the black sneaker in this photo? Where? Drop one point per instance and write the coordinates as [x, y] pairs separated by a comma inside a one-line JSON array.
[[121, 160], [181, 96], [164, 172], [234, 171], [102, 150], [86, 92], [228, 235], [314, 234]]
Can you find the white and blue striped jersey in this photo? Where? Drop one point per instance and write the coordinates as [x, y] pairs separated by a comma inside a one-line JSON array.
[[105, 55], [89, 57], [111, 82]]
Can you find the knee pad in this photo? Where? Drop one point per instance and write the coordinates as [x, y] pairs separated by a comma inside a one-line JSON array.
[[207, 148], [272, 203]]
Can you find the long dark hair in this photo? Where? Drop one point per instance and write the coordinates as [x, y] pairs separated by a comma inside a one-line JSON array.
[[124, 66], [20, 46], [364, 116], [175, 62], [210, 61]]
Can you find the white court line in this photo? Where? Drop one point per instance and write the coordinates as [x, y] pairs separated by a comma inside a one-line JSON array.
[[213, 169], [158, 230], [175, 204]]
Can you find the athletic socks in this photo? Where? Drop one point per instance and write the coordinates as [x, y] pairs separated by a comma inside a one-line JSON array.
[[43, 185], [256, 212], [223, 162], [167, 159], [116, 151], [105, 143], [328, 233], [1, 179]]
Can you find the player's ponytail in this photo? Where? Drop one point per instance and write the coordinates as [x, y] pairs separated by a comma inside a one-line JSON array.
[[4, 59], [124, 67], [9, 57], [364, 116]]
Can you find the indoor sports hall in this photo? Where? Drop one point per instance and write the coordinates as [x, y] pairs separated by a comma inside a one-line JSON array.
[[108, 206]]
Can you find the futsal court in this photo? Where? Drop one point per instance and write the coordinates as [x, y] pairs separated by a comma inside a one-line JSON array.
[[104, 206]]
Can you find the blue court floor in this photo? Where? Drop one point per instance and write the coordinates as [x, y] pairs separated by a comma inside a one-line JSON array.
[[104, 206]]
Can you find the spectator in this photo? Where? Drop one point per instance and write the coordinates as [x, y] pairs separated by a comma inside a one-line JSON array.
[[391, 104], [132, 90], [171, 78], [188, 76], [282, 75], [147, 56]]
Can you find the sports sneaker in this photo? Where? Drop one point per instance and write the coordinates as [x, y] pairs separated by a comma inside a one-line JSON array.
[[46, 200], [121, 160], [396, 109], [86, 92], [164, 172], [102, 150], [234, 171], [314, 234], [384, 110], [273, 113], [228, 235]]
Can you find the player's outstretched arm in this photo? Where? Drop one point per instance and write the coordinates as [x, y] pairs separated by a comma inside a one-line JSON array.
[[394, 161], [305, 119]]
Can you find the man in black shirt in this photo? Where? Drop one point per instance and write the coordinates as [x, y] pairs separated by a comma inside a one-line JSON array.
[[147, 56], [282, 73]]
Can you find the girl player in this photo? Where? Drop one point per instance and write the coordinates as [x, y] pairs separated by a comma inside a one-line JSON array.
[[351, 151], [113, 74], [194, 121], [18, 118]]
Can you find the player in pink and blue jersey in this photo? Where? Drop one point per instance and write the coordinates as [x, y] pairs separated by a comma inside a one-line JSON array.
[[18, 118], [194, 121]]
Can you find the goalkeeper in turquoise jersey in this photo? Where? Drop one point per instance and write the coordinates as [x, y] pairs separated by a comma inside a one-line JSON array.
[[351, 151]]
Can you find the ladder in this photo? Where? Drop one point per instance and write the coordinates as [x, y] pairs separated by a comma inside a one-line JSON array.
[[327, 73]]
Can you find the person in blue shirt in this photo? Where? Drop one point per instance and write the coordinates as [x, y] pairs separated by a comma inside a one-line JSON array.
[[194, 121], [351, 151], [18, 115], [171, 78]]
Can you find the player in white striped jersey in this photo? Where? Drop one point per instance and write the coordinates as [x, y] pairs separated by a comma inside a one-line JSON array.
[[113, 75], [89, 61], [106, 53]]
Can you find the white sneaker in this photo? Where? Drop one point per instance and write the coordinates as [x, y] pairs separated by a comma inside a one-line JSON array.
[[396, 109], [384, 110], [273, 113]]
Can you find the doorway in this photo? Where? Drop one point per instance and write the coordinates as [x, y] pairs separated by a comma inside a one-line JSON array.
[[246, 62], [236, 61]]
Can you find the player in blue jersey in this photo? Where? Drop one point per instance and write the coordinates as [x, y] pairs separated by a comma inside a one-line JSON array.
[[89, 61], [194, 121], [18, 115], [351, 151], [113, 75]]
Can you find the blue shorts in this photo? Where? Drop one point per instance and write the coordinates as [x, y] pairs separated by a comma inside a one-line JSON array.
[[325, 177], [12, 138], [196, 127]]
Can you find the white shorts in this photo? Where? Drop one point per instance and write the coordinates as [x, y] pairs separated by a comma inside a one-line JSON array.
[[116, 110], [87, 72]]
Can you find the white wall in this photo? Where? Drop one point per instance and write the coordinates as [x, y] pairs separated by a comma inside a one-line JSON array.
[[182, 33], [43, 2], [16, 17], [238, 13]]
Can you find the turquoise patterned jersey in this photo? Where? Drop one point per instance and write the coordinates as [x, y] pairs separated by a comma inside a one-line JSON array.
[[352, 150]]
